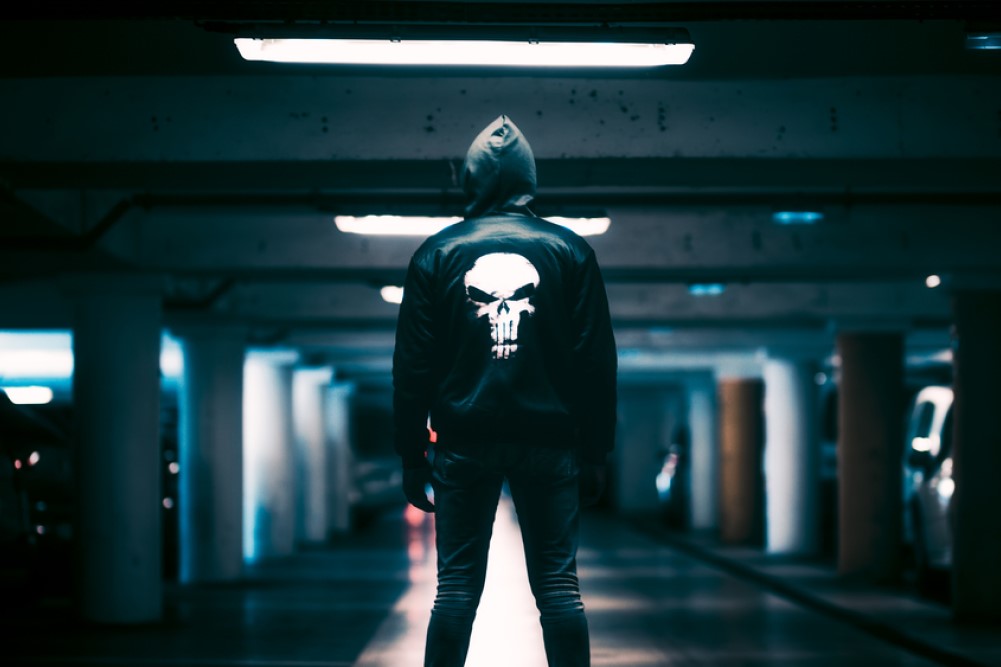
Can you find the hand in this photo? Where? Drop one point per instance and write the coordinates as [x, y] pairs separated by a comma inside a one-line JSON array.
[[592, 480], [415, 481]]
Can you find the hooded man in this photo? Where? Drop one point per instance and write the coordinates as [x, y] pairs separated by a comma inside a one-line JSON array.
[[505, 340]]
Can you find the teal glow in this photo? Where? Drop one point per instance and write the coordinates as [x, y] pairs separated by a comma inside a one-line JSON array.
[[706, 289], [797, 217], [985, 41]]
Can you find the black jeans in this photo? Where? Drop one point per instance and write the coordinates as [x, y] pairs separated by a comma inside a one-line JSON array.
[[467, 486]]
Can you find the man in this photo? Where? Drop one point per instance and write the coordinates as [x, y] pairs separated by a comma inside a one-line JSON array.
[[504, 338]]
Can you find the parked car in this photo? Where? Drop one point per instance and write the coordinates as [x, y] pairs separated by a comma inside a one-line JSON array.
[[929, 485], [673, 479], [35, 502]]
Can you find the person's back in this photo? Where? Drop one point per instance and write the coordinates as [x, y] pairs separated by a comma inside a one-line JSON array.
[[504, 338]]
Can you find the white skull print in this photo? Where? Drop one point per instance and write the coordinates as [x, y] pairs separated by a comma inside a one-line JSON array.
[[501, 286]]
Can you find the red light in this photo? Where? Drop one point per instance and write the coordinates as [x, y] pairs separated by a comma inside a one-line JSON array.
[[17, 464], [413, 516]]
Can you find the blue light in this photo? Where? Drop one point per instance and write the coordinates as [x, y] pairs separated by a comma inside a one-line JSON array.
[[797, 217], [706, 289], [985, 41]]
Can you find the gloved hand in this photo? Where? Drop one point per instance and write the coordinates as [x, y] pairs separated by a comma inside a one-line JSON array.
[[592, 480], [415, 481]]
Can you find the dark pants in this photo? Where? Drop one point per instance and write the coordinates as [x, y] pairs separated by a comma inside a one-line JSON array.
[[467, 487]]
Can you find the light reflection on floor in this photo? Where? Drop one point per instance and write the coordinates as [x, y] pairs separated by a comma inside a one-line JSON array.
[[507, 629]]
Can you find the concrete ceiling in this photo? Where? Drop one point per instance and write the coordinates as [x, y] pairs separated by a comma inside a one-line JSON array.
[[142, 144]]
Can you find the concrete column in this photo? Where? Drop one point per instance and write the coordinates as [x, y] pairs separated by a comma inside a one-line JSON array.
[[976, 578], [211, 455], [703, 455], [116, 394], [792, 457], [640, 446], [340, 458], [268, 456], [870, 447], [741, 484], [309, 399]]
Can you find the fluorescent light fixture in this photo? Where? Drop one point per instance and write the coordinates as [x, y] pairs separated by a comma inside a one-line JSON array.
[[584, 226], [49, 356], [41, 363], [983, 41], [706, 289], [933, 281], [392, 225], [494, 53], [392, 294], [29, 395], [797, 217], [403, 225], [171, 357]]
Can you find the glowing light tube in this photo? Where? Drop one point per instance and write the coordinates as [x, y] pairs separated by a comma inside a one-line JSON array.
[[32, 395], [399, 225], [463, 52]]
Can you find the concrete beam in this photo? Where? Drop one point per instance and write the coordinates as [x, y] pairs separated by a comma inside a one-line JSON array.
[[300, 117], [665, 243], [429, 183], [664, 304]]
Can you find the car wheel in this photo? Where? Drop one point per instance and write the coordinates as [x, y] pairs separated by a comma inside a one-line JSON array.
[[931, 582]]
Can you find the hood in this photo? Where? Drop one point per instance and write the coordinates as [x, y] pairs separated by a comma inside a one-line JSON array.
[[499, 172]]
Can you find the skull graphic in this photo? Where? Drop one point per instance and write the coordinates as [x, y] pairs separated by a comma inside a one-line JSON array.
[[501, 286]]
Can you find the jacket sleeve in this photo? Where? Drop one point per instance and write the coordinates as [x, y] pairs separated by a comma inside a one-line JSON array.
[[596, 362], [413, 368]]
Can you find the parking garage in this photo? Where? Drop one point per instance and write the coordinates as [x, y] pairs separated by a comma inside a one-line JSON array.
[[199, 287]]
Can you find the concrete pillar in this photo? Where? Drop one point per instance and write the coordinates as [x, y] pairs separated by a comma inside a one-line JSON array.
[[116, 394], [341, 460], [211, 455], [976, 579], [268, 456], [792, 457], [703, 455], [309, 399], [741, 484], [870, 447], [640, 446]]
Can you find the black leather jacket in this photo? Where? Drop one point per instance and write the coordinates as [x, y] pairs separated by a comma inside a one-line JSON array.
[[504, 333]]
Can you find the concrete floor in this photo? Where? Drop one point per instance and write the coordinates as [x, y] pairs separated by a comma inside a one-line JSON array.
[[366, 602]]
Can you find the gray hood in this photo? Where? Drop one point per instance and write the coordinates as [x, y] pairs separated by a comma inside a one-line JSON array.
[[499, 172]]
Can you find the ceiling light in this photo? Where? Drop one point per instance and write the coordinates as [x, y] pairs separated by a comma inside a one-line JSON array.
[[933, 281], [402, 225], [392, 294], [463, 52], [706, 289], [983, 41], [584, 226], [392, 225], [28, 395], [797, 217]]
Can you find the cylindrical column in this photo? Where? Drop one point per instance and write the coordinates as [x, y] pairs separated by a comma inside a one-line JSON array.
[[704, 455], [976, 550], [211, 456], [741, 484], [116, 394], [340, 458], [870, 447], [792, 461], [268, 455], [309, 394]]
